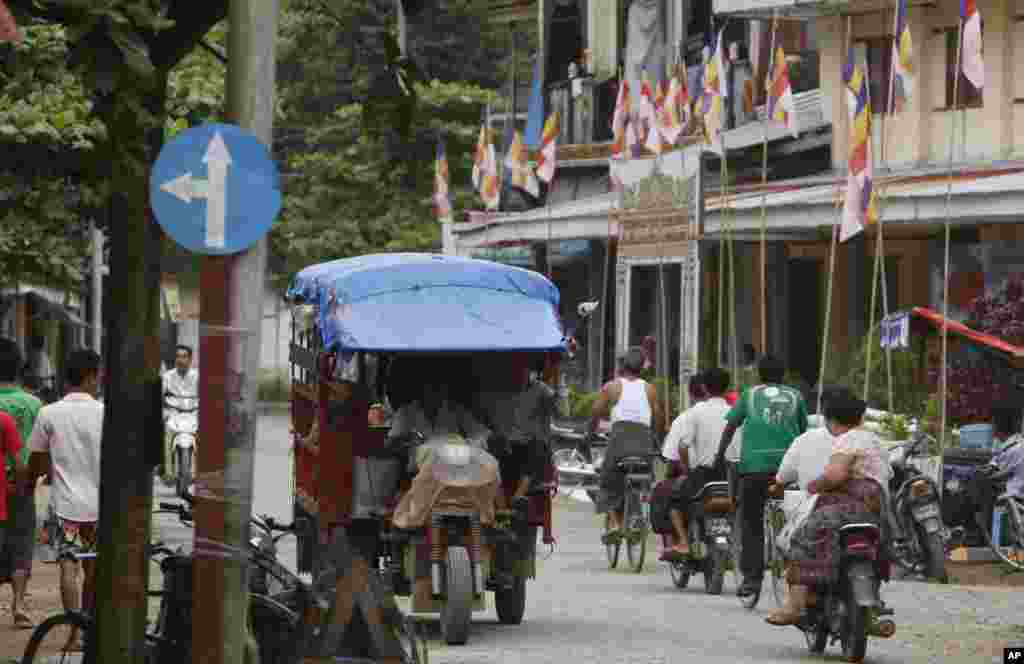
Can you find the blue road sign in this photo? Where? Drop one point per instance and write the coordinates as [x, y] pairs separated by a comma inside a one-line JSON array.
[[214, 189]]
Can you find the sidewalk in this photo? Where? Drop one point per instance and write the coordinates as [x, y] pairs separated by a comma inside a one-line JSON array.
[[43, 602]]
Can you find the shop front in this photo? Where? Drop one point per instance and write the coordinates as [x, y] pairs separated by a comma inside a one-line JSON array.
[[657, 272]]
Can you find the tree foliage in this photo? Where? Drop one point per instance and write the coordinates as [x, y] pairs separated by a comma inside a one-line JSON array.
[[357, 144]]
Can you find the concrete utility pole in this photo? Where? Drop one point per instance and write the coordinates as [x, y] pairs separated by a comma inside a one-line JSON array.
[[97, 287], [231, 311]]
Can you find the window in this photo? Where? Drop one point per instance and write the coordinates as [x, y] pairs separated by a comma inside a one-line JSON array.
[[878, 56], [967, 95]]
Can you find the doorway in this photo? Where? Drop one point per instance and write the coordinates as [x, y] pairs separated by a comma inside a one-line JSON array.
[[806, 314]]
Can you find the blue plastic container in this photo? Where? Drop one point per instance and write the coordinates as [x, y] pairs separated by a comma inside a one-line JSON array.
[[976, 436]]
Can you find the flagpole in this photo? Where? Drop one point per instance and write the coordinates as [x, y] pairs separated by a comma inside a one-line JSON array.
[[832, 255], [764, 188], [949, 199]]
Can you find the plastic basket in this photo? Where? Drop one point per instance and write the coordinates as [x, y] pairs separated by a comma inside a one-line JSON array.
[[976, 436]]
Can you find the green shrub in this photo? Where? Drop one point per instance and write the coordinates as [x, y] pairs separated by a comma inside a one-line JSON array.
[[273, 386]]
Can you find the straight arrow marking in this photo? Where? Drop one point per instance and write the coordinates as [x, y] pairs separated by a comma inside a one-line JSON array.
[[213, 189]]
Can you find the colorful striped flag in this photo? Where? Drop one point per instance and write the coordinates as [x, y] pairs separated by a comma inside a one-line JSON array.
[[672, 111], [620, 120], [646, 112], [8, 28], [485, 171], [781, 104], [902, 60], [859, 208], [548, 149], [972, 64], [517, 164], [711, 108], [442, 202], [656, 141]]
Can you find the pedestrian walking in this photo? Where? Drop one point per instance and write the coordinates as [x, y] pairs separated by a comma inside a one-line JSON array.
[[66, 440], [18, 532]]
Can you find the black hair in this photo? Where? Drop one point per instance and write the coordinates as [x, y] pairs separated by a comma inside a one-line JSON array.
[[634, 361], [771, 369], [81, 363], [696, 386], [187, 349], [717, 381], [1006, 417], [844, 408], [11, 361]]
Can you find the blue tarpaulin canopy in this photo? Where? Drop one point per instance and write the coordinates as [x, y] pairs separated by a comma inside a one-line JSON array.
[[430, 303]]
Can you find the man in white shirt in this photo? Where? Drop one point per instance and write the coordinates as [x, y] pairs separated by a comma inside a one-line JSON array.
[[697, 439], [66, 440], [181, 381]]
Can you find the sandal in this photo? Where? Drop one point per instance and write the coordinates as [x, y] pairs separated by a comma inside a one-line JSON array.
[[23, 621], [782, 618]]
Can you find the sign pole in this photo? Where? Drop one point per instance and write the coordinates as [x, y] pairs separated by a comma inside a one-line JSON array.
[[231, 308]]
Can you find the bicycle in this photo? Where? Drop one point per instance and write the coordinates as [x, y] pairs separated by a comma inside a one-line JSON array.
[[989, 488], [636, 515], [774, 559]]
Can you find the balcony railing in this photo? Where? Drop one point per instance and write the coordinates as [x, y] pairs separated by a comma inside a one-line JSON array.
[[792, 8], [587, 117]]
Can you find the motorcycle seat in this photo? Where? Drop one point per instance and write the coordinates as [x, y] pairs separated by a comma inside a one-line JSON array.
[[632, 465], [713, 490], [852, 528]]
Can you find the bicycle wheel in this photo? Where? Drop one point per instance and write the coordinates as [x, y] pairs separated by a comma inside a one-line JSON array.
[[612, 548], [1013, 553], [274, 626], [773, 563], [59, 639], [636, 532]]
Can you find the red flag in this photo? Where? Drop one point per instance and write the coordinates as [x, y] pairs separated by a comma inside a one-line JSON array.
[[8, 28]]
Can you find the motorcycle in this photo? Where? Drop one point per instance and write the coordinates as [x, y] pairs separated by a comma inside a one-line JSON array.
[[709, 531], [450, 503], [576, 451], [183, 424], [850, 609], [916, 511]]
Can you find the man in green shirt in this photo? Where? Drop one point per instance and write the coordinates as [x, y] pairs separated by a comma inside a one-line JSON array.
[[20, 527], [772, 416]]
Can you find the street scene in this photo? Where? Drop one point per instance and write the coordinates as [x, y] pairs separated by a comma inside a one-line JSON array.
[[411, 331]]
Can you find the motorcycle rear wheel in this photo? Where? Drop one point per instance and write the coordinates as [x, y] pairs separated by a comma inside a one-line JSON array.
[[714, 571], [817, 639], [935, 556], [680, 575]]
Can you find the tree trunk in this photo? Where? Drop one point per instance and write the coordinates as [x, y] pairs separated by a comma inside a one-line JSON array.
[[132, 425]]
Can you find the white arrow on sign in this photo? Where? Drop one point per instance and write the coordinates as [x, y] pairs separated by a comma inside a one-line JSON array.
[[213, 189]]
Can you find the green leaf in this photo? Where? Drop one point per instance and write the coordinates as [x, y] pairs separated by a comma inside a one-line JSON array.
[[135, 51]]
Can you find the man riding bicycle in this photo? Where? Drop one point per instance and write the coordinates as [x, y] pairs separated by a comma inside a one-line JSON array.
[[632, 403], [772, 416]]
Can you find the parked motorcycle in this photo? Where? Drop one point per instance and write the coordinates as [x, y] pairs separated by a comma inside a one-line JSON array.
[[183, 425], [920, 545], [850, 609], [710, 538]]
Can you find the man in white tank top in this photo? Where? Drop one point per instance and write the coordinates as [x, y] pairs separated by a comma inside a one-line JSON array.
[[635, 412]]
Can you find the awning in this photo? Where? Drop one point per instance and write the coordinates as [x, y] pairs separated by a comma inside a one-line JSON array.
[[50, 302], [1015, 354]]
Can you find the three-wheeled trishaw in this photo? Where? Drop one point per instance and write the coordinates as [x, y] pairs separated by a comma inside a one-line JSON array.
[[367, 334]]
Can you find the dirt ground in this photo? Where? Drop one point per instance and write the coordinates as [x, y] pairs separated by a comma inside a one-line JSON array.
[[43, 601], [984, 574]]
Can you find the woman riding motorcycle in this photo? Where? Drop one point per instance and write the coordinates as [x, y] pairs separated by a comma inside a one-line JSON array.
[[850, 490]]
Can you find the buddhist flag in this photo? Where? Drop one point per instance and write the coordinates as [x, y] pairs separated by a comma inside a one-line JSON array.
[[859, 206], [672, 111], [781, 105], [646, 113], [442, 202], [517, 164], [548, 148], [973, 65], [656, 134], [620, 120], [711, 108], [8, 28], [485, 171], [902, 60], [480, 157]]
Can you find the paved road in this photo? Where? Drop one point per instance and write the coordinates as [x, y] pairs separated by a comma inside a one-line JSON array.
[[578, 611]]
